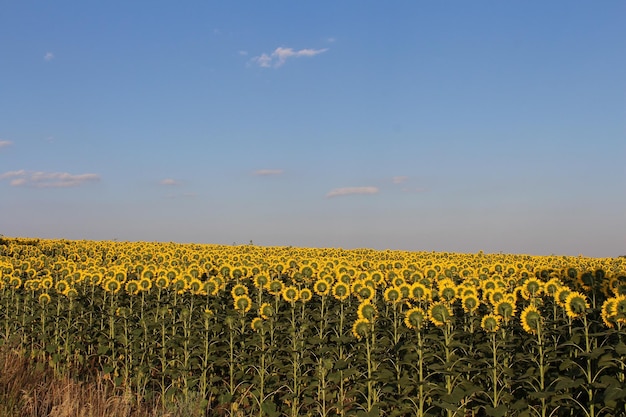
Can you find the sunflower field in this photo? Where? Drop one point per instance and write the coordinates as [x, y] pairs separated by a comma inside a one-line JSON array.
[[283, 331]]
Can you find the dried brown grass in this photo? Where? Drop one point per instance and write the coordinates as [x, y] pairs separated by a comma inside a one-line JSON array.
[[31, 389]]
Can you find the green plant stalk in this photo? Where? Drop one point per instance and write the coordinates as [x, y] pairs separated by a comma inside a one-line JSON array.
[[447, 335], [590, 378], [295, 362], [495, 401], [342, 387], [321, 387], [421, 398]]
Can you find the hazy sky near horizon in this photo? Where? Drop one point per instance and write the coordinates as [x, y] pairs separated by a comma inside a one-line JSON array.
[[417, 125]]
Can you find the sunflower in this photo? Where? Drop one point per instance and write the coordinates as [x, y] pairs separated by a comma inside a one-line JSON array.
[[180, 285], [211, 287], [341, 291], [405, 290], [620, 309], [260, 281], [132, 287], [243, 303], [71, 293], [609, 312], [145, 283], [276, 287], [505, 309], [490, 323], [470, 303], [439, 313], [196, 287], [415, 318], [162, 282], [257, 324], [238, 290], [61, 286], [305, 295], [365, 293], [531, 319], [361, 328], [321, 287], [46, 283], [112, 286], [420, 292], [495, 296], [552, 286], [392, 295], [367, 311], [447, 290], [44, 298], [291, 294], [532, 288], [576, 305], [266, 310], [561, 296]]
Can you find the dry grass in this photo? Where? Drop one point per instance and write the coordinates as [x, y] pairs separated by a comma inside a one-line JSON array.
[[31, 389]]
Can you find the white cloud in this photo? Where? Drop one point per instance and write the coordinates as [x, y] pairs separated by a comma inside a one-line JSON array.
[[399, 179], [169, 181], [351, 190], [49, 56], [265, 172], [243, 53], [5, 143], [280, 56], [39, 179]]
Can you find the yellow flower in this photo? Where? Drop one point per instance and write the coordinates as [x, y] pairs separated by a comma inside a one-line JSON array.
[[561, 295], [365, 293], [392, 295], [470, 303], [532, 288], [341, 291], [260, 281], [609, 312], [243, 303], [266, 310], [367, 311], [257, 324], [44, 298], [419, 292], [415, 318], [238, 290], [576, 305], [291, 294], [361, 328], [162, 282], [439, 313], [531, 319], [112, 286], [321, 287], [132, 287], [145, 284], [490, 323], [505, 309], [61, 286], [196, 287], [276, 287], [305, 295]]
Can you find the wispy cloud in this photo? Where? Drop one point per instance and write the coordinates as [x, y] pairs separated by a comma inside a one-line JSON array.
[[399, 179], [280, 56], [39, 179], [336, 192], [266, 172], [5, 143], [49, 56], [169, 181]]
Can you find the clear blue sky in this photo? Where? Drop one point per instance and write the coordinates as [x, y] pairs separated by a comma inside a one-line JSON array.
[[421, 125]]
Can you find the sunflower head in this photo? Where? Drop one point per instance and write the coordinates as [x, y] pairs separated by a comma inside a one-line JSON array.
[[321, 287], [276, 287], [291, 294], [505, 309], [365, 292], [341, 291], [260, 281], [145, 283], [415, 318], [576, 305], [132, 287], [266, 310], [243, 303], [196, 287], [392, 295], [490, 323], [531, 319], [257, 324], [162, 282], [44, 298], [470, 303], [238, 290], [305, 295], [439, 313], [367, 311], [361, 328]]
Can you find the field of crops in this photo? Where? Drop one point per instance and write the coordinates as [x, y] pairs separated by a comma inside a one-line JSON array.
[[282, 331]]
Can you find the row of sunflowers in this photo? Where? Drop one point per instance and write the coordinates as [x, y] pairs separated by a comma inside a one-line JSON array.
[[275, 331]]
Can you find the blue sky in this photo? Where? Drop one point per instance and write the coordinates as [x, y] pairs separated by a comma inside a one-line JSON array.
[[417, 125]]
